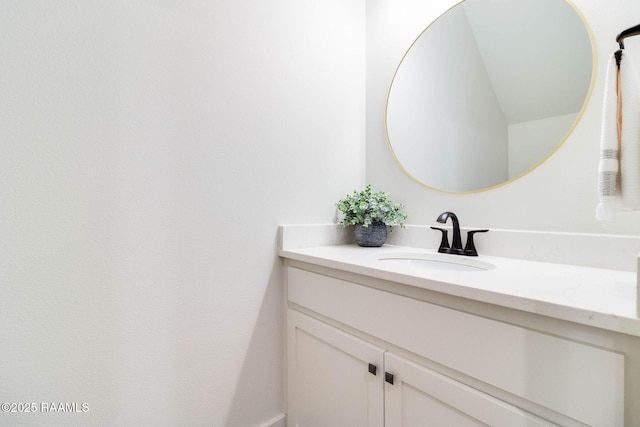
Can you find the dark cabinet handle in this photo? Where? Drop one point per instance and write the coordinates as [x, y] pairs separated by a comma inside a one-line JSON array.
[[373, 369], [388, 377]]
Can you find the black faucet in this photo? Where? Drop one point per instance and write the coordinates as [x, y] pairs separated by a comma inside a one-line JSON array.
[[456, 244]]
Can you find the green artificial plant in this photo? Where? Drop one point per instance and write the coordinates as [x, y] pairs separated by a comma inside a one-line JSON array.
[[366, 207]]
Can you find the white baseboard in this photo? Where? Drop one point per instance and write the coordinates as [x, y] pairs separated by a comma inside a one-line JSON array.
[[277, 421]]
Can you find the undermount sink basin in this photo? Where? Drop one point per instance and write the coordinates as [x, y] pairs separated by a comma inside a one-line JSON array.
[[435, 261]]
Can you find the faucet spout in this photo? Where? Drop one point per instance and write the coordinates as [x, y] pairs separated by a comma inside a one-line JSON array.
[[456, 244]]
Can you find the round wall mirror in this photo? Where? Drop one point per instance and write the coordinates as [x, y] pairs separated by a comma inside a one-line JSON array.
[[489, 91]]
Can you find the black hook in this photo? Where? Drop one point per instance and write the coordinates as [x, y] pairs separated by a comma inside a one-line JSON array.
[[618, 56], [629, 32]]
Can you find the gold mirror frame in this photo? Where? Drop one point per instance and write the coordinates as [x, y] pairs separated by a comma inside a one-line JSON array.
[[538, 163]]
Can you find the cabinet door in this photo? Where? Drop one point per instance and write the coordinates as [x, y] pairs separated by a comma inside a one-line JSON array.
[[422, 397], [333, 379]]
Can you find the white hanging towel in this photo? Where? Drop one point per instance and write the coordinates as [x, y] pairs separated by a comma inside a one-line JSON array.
[[619, 167]]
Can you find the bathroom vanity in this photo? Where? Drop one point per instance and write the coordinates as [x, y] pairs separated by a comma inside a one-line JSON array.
[[396, 336]]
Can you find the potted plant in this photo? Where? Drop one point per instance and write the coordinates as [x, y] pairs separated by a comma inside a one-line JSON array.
[[371, 213]]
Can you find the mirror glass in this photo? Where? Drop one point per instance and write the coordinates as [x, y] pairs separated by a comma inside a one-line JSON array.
[[488, 91]]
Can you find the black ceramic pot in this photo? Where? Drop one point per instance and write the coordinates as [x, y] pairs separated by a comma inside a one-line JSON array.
[[372, 236]]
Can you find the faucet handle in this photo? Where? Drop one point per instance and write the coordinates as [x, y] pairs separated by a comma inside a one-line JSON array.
[[470, 247], [444, 243]]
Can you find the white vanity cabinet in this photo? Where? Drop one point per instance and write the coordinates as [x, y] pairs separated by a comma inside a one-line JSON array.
[[349, 336], [419, 396], [334, 378], [337, 379]]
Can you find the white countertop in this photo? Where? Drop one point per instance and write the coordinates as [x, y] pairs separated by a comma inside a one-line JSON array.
[[596, 297]]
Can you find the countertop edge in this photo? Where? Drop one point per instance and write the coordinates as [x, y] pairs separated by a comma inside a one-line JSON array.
[[593, 318]]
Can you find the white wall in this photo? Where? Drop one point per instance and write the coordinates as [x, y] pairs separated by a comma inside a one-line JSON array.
[[559, 195], [149, 149]]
